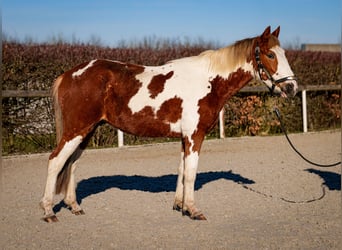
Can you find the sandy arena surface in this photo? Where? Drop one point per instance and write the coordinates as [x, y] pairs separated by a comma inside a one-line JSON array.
[[255, 192]]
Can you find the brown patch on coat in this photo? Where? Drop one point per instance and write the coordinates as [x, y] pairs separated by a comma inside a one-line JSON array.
[[221, 90], [210, 106], [171, 110], [147, 123], [186, 145], [157, 83], [197, 138]]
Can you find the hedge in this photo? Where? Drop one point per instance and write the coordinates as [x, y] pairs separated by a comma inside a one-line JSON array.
[[28, 122]]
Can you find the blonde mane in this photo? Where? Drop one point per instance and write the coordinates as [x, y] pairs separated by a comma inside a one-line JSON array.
[[228, 58]]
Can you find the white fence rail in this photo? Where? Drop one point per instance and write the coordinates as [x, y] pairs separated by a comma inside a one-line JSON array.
[[256, 89]]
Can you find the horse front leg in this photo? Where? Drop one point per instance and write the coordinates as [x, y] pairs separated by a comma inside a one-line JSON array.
[[190, 171], [185, 191]]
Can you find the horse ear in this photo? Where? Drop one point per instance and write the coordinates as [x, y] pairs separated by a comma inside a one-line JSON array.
[[266, 34], [276, 32]]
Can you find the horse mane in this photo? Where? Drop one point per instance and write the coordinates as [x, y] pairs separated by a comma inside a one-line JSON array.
[[227, 59]]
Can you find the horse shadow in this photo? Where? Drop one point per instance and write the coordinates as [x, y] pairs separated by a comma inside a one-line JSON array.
[[331, 180], [167, 183], [151, 184]]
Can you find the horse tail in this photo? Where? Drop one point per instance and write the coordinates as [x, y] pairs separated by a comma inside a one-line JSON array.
[[57, 108], [64, 175]]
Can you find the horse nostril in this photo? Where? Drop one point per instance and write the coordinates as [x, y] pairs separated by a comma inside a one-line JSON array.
[[289, 87]]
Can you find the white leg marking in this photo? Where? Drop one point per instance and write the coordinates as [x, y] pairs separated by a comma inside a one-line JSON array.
[[190, 170], [81, 71], [54, 167]]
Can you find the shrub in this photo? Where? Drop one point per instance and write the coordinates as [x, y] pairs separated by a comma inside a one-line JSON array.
[[28, 122]]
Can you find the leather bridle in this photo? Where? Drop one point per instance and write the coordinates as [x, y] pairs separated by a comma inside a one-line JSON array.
[[262, 69]]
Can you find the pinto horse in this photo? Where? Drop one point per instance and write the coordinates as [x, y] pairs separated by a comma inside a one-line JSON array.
[[179, 99]]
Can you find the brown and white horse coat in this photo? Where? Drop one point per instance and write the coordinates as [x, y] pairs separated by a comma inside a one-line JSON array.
[[179, 99]]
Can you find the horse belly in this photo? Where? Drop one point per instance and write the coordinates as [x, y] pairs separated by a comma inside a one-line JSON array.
[[147, 122], [149, 128]]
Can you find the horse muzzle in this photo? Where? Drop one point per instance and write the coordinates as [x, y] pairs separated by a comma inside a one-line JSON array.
[[288, 88]]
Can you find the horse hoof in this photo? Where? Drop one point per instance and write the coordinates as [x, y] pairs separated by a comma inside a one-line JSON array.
[[50, 219], [79, 212], [198, 217], [177, 207], [195, 216]]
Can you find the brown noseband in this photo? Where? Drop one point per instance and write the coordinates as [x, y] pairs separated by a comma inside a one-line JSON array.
[[262, 69]]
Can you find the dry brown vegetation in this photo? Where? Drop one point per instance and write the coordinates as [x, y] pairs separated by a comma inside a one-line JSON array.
[[28, 122]]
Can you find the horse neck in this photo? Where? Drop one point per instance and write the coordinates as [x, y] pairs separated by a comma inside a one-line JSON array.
[[228, 60], [230, 68]]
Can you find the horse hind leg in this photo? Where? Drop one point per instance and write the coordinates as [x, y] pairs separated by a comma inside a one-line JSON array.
[[70, 193], [55, 166], [69, 188]]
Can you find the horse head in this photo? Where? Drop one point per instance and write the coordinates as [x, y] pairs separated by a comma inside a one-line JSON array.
[[272, 66]]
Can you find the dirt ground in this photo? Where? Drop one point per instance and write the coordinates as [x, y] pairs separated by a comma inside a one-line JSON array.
[[255, 192]]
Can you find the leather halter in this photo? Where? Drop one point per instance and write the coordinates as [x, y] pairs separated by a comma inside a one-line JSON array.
[[262, 69]]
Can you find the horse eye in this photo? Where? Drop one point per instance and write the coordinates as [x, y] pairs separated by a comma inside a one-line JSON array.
[[270, 55]]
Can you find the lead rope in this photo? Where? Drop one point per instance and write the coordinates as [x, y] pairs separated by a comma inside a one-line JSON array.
[[277, 112], [284, 199]]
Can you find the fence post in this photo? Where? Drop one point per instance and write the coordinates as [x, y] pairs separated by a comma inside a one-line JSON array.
[[221, 124], [305, 116], [120, 138]]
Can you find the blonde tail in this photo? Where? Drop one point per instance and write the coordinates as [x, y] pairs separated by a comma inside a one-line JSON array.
[[57, 108], [64, 176]]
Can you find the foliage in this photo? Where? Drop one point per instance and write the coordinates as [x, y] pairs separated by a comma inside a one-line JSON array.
[[28, 122], [35, 66], [315, 67]]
